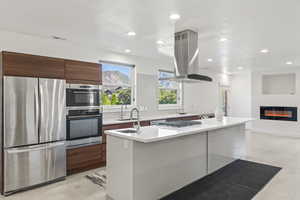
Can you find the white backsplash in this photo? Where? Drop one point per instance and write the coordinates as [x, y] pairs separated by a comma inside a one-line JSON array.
[[146, 98]]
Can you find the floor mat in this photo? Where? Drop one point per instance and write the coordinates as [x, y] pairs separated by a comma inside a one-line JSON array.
[[240, 180]]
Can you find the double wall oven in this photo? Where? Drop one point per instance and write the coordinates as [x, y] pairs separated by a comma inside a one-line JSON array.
[[84, 116]]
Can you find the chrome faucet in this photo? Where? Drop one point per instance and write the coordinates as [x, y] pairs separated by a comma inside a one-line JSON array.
[[138, 125]]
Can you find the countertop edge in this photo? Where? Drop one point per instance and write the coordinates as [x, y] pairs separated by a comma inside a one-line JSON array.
[[191, 132], [113, 122]]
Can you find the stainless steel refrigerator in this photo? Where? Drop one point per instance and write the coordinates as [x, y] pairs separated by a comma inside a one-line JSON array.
[[34, 132]]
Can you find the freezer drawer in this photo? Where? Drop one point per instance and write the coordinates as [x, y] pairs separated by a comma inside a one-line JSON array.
[[53, 114], [21, 111], [33, 165]]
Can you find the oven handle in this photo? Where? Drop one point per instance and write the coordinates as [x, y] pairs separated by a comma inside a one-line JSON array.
[[84, 92], [83, 116]]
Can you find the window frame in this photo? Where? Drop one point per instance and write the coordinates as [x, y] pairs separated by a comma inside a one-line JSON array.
[[116, 108], [179, 104]]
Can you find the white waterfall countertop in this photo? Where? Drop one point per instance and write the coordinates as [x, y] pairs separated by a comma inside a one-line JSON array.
[[158, 133], [149, 118]]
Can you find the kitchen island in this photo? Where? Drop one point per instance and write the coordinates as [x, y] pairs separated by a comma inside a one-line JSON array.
[[161, 159]]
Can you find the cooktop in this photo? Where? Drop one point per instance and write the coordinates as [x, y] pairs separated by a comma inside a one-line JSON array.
[[179, 123]]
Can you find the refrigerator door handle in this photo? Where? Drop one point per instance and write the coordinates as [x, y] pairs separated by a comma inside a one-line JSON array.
[[37, 108], [35, 147]]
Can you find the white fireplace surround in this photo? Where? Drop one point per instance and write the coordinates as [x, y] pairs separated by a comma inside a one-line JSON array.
[[290, 99]]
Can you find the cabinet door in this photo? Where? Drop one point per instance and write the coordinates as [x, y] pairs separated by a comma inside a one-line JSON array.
[[145, 123], [84, 158], [17, 64], [83, 72]]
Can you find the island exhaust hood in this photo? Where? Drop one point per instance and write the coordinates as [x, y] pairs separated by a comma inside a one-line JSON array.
[[186, 61]]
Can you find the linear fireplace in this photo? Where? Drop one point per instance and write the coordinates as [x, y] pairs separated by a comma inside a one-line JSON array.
[[278, 113]]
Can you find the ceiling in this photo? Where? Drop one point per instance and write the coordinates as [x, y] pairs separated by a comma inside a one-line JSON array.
[[249, 26]]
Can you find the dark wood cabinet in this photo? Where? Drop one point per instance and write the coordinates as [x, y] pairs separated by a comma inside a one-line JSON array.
[[85, 158], [83, 72], [104, 153], [145, 123], [18, 64]]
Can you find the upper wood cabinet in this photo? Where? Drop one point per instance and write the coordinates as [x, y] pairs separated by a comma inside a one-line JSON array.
[[83, 72], [17, 64]]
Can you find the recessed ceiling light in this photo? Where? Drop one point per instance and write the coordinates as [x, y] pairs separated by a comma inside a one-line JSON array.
[[160, 42], [289, 63], [174, 16], [210, 60], [127, 50], [240, 68], [223, 39], [264, 51], [131, 33]]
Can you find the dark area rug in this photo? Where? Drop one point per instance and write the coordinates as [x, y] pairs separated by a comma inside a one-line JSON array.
[[240, 180]]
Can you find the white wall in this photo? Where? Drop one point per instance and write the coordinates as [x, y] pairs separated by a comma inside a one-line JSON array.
[[199, 98], [239, 98], [284, 128]]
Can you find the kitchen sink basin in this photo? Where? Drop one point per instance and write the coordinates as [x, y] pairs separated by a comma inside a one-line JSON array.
[[128, 131]]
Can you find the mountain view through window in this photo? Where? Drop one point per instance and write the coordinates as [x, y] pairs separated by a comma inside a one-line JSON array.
[[117, 84]]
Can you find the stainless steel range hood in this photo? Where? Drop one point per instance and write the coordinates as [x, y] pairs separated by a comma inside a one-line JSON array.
[[186, 58]]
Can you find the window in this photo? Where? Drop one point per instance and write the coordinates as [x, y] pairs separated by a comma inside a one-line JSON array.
[[169, 91], [118, 85]]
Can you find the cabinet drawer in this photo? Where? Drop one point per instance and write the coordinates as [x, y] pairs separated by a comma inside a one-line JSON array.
[[104, 153], [17, 64], [118, 126], [145, 123], [85, 158]]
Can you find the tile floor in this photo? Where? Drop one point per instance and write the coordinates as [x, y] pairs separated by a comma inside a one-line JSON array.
[[75, 187], [277, 151]]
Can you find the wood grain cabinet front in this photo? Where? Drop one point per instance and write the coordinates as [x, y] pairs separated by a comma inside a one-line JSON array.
[[83, 72], [18, 64], [85, 158]]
